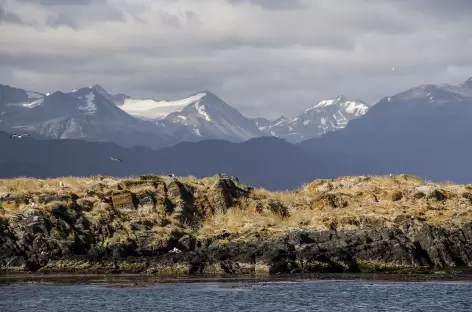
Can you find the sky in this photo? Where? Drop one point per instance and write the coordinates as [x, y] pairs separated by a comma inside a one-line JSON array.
[[265, 58]]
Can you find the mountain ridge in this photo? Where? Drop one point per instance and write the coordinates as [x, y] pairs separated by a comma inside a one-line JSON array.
[[92, 113], [419, 131], [317, 120]]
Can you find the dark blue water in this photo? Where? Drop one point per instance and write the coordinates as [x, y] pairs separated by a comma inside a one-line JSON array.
[[300, 296]]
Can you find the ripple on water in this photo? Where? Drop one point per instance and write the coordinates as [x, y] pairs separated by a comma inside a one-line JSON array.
[[243, 296]]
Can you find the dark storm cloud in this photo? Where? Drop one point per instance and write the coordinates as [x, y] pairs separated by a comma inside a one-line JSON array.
[[266, 57]]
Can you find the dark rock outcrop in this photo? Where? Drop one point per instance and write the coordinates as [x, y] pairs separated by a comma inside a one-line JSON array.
[[66, 241], [154, 225]]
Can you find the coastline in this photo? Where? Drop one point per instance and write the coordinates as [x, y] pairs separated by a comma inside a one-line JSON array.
[[166, 227], [139, 280]]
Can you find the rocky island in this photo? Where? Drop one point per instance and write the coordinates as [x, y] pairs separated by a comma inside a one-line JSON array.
[[173, 226]]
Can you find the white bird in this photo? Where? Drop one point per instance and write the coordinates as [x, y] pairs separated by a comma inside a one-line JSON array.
[[175, 250], [116, 159], [63, 185], [19, 136], [393, 68]]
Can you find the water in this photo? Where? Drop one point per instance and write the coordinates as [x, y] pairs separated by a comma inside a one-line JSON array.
[[261, 297]]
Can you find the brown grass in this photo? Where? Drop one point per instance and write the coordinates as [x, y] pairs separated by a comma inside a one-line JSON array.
[[342, 203]]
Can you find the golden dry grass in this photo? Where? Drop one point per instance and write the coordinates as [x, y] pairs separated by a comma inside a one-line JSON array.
[[342, 203], [370, 200]]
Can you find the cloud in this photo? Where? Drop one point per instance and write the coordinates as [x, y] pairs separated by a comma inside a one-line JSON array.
[[271, 4], [8, 17], [75, 13], [263, 57], [438, 8], [62, 2]]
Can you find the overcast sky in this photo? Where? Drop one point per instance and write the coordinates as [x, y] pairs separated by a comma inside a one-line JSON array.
[[265, 57]]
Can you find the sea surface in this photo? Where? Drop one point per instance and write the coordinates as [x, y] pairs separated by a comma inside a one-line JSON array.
[[214, 296]]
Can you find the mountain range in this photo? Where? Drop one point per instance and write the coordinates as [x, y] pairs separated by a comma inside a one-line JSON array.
[[315, 121], [93, 114], [421, 131]]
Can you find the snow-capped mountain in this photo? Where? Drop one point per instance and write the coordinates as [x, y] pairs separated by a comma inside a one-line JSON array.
[[117, 99], [81, 114], [93, 114], [325, 116], [422, 131], [156, 110], [209, 116], [204, 113], [434, 94]]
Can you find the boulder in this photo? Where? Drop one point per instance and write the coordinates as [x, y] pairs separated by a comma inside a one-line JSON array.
[[333, 200], [124, 201], [430, 192]]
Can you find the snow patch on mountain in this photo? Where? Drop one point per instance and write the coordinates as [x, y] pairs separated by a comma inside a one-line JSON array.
[[197, 131], [201, 110], [324, 116], [33, 104], [152, 109], [261, 123], [90, 107], [321, 104]]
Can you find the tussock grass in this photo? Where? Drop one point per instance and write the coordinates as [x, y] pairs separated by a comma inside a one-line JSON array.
[[350, 202]]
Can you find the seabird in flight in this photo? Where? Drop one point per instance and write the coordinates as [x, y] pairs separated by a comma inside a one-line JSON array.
[[116, 159], [19, 136]]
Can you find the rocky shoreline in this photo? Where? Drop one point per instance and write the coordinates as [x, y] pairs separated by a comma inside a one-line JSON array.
[[71, 233], [143, 280]]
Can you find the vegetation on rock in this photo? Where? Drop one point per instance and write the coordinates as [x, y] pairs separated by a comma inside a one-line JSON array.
[[165, 225]]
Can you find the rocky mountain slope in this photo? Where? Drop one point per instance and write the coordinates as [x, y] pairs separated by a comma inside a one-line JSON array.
[[315, 121], [203, 113], [180, 226], [211, 117]]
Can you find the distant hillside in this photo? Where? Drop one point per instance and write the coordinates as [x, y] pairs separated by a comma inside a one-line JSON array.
[[266, 162], [421, 131]]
